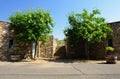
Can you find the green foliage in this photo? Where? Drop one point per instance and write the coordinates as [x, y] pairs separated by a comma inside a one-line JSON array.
[[31, 25], [109, 49], [87, 26], [16, 49], [59, 42]]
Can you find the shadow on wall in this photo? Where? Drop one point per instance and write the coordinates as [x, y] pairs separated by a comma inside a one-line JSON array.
[[60, 52]]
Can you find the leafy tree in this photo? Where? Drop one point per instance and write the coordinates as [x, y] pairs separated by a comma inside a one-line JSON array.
[[59, 42], [88, 27], [31, 25]]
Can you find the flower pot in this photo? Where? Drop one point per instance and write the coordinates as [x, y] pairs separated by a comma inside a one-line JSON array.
[[15, 57], [111, 59]]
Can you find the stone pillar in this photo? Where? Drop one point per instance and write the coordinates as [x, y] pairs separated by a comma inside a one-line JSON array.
[[54, 44]]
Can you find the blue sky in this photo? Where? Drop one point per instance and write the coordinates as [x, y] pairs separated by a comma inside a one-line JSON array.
[[60, 9]]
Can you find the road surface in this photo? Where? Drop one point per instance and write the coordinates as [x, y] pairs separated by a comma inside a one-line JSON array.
[[59, 70]]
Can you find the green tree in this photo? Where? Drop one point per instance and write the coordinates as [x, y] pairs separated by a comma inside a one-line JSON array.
[[59, 42], [89, 27], [32, 25]]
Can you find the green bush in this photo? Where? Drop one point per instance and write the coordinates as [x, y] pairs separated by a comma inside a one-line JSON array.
[[16, 49], [109, 49]]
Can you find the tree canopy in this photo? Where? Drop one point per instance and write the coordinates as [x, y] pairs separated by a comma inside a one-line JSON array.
[[31, 25], [87, 26]]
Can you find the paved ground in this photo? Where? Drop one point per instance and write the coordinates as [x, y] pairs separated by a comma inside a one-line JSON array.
[[59, 70]]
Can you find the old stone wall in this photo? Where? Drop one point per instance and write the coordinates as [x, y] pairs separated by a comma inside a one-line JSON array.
[[47, 50], [116, 37], [76, 51], [97, 51], [4, 34], [60, 52], [100, 48]]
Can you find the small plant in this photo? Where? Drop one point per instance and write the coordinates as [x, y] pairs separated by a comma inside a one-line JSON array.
[[109, 50], [16, 49], [111, 57]]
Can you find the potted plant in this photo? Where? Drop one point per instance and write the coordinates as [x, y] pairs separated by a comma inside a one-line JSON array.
[[15, 55], [111, 56]]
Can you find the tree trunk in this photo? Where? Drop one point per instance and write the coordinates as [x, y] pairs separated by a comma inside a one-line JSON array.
[[33, 50], [38, 49], [87, 50]]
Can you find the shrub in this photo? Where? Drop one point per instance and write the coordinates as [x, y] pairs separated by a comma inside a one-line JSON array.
[[16, 49], [109, 49]]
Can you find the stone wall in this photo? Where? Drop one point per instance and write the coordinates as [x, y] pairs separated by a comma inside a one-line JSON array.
[[60, 52], [96, 51], [116, 37], [47, 50], [76, 51], [4, 34]]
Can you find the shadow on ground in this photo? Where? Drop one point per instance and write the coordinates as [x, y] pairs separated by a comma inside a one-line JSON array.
[[76, 61]]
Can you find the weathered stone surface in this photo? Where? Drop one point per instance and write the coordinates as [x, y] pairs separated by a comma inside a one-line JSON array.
[[47, 50], [76, 51], [97, 51], [60, 52], [4, 34], [116, 37]]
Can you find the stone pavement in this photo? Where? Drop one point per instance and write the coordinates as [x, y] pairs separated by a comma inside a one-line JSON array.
[[60, 69]]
